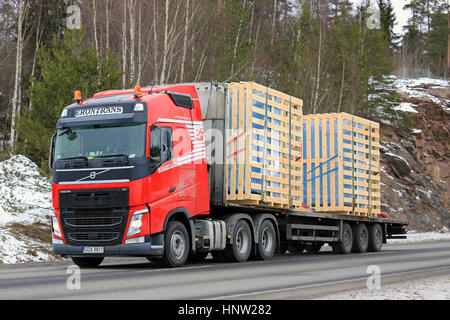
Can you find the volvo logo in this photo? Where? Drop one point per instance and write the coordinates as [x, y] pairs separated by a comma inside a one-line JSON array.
[[92, 175]]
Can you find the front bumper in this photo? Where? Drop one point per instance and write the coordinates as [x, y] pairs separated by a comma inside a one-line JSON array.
[[153, 247]]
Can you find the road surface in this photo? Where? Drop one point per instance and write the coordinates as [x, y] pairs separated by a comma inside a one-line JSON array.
[[287, 276]]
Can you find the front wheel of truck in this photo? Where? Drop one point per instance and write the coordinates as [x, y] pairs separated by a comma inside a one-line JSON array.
[[176, 245], [88, 262]]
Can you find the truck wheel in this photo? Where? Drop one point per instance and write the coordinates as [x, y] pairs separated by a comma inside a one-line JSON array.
[[345, 245], [360, 238], [176, 245], [240, 249], [375, 238], [267, 241], [91, 262]]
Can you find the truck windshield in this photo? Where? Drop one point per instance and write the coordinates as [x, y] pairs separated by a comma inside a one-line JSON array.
[[101, 141]]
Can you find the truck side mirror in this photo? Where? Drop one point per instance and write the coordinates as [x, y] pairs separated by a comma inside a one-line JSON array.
[[51, 156]]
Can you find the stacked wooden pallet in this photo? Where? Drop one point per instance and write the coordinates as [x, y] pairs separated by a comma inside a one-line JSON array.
[[341, 164], [263, 131], [278, 158]]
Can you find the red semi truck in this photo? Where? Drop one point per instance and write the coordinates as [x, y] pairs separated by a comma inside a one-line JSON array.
[[132, 176]]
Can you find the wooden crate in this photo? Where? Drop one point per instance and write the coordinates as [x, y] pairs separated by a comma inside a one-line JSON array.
[[341, 164], [263, 131]]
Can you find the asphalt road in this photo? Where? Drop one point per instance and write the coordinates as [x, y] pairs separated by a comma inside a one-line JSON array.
[[302, 276]]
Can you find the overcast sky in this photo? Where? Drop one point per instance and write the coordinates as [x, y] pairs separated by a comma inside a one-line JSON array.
[[401, 15]]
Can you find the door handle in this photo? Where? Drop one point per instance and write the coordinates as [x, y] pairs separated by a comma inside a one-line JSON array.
[[172, 189]]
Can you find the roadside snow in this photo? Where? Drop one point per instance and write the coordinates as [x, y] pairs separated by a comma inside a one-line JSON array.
[[437, 288], [25, 196], [25, 209], [414, 237]]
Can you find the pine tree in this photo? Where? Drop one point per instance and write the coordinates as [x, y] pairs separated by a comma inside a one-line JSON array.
[[65, 67], [438, 41], [388, 22]]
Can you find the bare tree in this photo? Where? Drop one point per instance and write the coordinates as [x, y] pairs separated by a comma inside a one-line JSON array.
[[107, 13], [165, 44], [124, 43], [139, 54], [39, 32], [186, 28], [22, 6], [94, 7], [132, 14], [236, 43]]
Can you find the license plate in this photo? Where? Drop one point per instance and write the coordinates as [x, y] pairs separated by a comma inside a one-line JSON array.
[[93, 249]]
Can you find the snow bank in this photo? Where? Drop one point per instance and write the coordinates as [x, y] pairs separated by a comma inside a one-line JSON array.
[[25, 196], [437, 288], [25, 210], [414, 237]]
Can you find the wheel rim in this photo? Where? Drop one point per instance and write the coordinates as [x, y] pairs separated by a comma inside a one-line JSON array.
[[242, 240], [347, 239], [363, 239], [267, 240], [177, 244], [378, 237]]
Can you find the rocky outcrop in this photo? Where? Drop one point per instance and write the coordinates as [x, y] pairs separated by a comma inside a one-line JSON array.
[[415, 165]]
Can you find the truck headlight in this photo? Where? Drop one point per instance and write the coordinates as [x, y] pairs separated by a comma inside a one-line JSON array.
[[135, 224], [55, 227]]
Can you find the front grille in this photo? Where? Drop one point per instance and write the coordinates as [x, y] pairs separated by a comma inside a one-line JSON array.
[[96, 198], [94, 217], [93, 222], [93, 236]]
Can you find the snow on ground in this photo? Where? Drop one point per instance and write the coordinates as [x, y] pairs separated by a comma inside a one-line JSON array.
[[415, 237], [25, 209], [437, 288], [25, 196], [406, 107], [412, 88]]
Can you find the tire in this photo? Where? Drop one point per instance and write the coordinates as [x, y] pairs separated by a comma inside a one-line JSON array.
[[176, 245], [240, 249], [267, 243], [375, 238], [344, 246], [360, 238], [88, 262], [313, 248]]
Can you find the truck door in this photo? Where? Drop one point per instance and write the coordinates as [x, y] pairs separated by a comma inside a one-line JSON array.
[[163, 181]]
